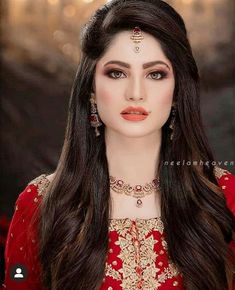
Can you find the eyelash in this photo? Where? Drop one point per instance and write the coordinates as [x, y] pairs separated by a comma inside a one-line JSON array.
[[163, 73]]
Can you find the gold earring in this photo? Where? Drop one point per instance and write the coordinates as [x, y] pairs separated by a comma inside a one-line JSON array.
[[94, 117]]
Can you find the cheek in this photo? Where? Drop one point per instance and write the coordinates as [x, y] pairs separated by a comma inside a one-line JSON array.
[[162, 103], [104, 92], [106, 104], [163, 95], [167, 99], [107, 101], [168, 90], [104, 96]]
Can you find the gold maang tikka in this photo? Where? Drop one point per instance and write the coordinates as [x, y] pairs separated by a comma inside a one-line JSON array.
[[137, 37]]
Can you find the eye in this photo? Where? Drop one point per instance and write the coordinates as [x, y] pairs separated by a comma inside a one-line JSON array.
[[115, 74], [157, 75]]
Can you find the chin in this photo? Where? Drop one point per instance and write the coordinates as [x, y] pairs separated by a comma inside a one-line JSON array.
[[136, 132]]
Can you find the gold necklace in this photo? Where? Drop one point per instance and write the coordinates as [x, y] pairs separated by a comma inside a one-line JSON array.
[[138, 191]]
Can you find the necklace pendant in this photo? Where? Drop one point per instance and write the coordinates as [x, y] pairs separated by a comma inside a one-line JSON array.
[[137, 49], [139, 203]]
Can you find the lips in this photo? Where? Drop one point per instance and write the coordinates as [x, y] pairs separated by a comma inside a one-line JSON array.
[[134, 117], [134, 114], [135, 110]]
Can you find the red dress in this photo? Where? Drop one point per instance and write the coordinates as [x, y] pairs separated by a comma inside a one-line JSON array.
[[137, 257]]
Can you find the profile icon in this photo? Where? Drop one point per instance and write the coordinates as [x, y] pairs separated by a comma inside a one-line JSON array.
[[18, 273]]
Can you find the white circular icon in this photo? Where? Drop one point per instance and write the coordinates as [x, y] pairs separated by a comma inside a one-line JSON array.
[[18, 273]]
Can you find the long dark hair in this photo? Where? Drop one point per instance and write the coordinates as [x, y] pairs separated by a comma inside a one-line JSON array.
[[75, 211]]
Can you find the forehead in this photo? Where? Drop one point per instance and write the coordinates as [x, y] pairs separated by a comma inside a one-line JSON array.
[[122, 48]]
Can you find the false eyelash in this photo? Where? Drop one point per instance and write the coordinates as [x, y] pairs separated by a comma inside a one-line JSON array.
[[108, 72], [163, 73]]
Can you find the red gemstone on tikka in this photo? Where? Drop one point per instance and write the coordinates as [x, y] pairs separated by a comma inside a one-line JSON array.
[[136, 30]]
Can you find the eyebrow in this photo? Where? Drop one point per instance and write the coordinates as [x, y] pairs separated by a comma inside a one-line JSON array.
[[145, 65]]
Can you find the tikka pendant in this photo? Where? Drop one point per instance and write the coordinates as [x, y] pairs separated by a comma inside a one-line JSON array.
[[137, 37]]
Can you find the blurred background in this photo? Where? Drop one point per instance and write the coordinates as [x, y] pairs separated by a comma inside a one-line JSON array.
[[39, 57]]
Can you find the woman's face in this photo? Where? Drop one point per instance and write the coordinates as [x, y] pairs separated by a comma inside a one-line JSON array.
[[125, 78]]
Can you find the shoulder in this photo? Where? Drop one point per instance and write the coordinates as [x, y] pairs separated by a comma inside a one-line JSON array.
[[220, 172], [22, 238], [30, 198], [226, 181], [35, 189], [41, 183], [25, 218]]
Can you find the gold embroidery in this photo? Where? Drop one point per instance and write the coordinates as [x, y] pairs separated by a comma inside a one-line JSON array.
[[219, 172], [164, 244], [146, 225], [112, 272], [42, 182], [137, 249], [138, 255], [168, 272]]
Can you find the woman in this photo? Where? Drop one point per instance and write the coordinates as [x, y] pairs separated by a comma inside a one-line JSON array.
[[120, 212]]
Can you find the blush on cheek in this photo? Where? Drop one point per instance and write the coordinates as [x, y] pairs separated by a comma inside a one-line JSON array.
[[167, 95], [168, 100], [105, 96]]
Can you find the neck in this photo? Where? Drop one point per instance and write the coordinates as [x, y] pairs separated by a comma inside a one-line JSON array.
[[132, 159]]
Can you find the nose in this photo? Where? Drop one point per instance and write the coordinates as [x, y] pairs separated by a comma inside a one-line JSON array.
[[135, 90]]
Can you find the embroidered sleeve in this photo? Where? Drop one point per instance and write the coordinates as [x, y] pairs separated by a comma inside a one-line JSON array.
[[226, 181], [22, 267]]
